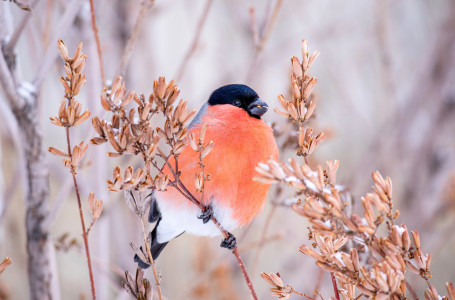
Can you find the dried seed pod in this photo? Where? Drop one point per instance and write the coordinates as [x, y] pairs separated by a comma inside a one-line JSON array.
[[62, 50], [207, 149]]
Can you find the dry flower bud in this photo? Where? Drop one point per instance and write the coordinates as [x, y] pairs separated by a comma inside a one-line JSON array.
[[313, 58], [65, 86], [82, 118], [80, 61], [281, 113], [310, 110], [432, 294], [292, 111], [62, 50], [296, 67], [207, 149], [6, 262], [159, 87], [95, 206], [192, 141], [273, 279], [305, 54], [309, 87], [450, 290], [161, 182], [57, 151], [326, 267], [79, 84], [78, 51], [199, 181], [415, 236], [202, 133]]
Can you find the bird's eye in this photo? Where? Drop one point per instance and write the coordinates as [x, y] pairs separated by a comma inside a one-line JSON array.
[[237, 103]]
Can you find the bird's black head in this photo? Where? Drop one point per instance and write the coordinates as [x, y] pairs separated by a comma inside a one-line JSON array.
[[241, 96]]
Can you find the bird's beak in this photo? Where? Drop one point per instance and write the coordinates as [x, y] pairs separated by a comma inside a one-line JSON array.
[[257, 107]]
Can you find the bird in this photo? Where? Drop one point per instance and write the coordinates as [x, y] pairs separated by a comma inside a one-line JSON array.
[[233, 118]]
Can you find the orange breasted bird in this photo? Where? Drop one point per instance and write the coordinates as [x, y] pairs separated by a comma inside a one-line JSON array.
[[241, 140]]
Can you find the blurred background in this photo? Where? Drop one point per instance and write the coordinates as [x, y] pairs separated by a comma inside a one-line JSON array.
[[385, 97]]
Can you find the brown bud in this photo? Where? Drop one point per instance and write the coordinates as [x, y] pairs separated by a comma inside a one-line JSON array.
[[62, 50]]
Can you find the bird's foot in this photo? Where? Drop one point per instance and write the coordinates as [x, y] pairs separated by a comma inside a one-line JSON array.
[[207, 214], [230, 242]]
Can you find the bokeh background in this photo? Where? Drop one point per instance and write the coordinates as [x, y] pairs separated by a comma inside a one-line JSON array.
[[385, 97]]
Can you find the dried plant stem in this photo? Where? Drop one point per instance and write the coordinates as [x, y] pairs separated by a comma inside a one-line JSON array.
[[245, 273], [185, 192], [301, 294], [145, 6], [197, 34], [9, 47], [36, 198], [84, 232], [98, 44], [411, 291], [152, 262], [263, 236], [335, 288], [260, 39], [47, 60], [270, 25]]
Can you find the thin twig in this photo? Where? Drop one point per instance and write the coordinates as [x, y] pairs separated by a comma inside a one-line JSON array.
[[84, 232], [335, 288], [151, 261], [9, 47], [261, 243], [245, 273], [98, 44], [65, 21], [9, 86], [265, 37], [301, 294], [260, 39], [145, 6], [225, 233], [411, 291], [194, 43]]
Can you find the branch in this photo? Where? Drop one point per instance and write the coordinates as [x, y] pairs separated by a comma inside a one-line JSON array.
[[335, 288], [84, 231], [9, 86], [72, 9], [225, 233], [9, 47], [197, 34], [97, 39], [152, 262], [262, 40], [145, 6]]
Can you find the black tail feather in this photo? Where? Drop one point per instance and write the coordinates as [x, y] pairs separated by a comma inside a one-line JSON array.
[[155, 247], [154, 212]]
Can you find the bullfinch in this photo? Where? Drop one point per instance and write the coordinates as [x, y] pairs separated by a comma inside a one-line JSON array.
[[241, 140]]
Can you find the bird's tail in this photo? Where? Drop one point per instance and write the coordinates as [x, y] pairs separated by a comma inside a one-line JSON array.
[[155, 247]]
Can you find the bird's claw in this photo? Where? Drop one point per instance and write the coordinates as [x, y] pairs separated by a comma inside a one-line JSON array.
[[230, 242], [207, 214]]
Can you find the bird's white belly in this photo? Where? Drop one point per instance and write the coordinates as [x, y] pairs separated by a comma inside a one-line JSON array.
[[184, 218]]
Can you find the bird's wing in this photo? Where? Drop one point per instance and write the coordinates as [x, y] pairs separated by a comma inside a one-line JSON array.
[[198, 117], [154, 212]]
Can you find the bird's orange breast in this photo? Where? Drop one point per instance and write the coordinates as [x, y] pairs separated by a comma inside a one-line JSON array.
[[240, 143]]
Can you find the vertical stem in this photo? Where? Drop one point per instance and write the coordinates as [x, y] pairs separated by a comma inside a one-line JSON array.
[[225, 233], [244, 272], [97, 39], [411, 291], [84, 232], [335, 288], [152, 262]]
